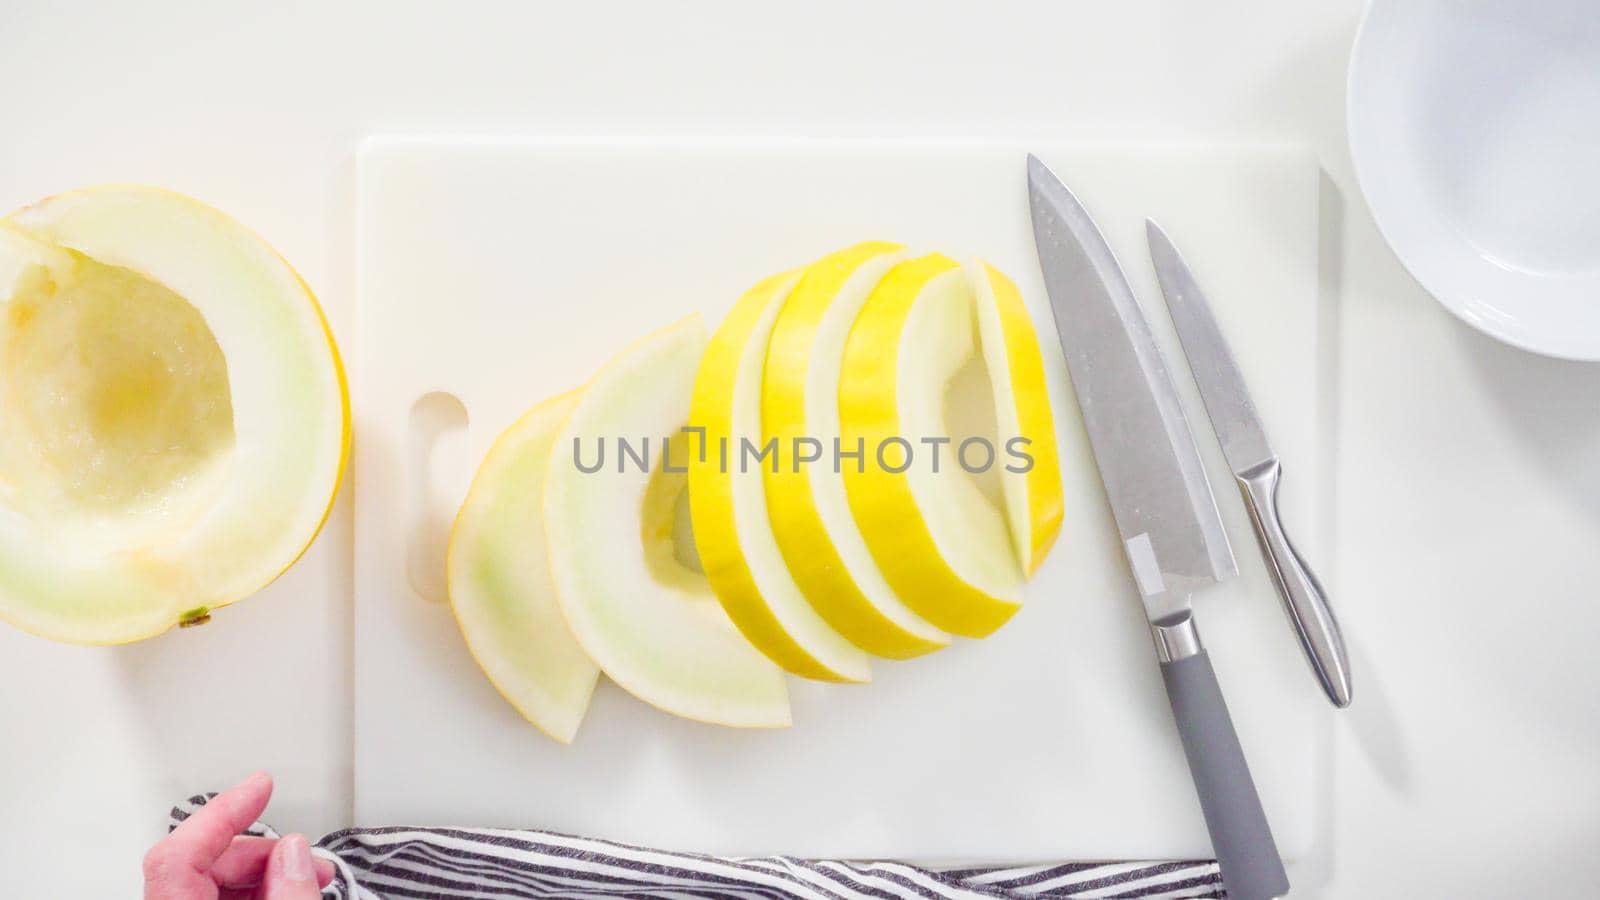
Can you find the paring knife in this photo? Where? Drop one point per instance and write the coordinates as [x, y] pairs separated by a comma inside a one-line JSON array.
[[1167, 518], [1255, 467]]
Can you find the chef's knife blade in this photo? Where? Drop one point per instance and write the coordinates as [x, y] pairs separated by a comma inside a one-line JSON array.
[[1255, 467], [1147, 458], [1168, 520]]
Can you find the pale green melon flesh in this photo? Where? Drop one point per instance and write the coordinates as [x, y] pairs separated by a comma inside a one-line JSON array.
[[652, 624], [499, 578]]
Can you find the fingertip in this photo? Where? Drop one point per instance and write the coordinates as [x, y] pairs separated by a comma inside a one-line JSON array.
[[291, 873], [295, 858], [258, 785], [325, 871]]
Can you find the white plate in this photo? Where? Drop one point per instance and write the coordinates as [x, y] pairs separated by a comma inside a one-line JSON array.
[[1475, 130]]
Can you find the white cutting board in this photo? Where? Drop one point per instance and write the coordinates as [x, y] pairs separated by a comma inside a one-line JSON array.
[[499, 272]]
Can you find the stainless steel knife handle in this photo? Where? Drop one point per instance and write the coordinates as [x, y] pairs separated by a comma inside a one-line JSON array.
[[1240, 835], [1303, 597]]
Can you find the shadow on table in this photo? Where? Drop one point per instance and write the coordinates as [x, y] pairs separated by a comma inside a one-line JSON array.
[[1555, 406]]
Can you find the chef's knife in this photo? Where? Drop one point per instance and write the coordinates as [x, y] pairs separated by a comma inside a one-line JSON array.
[[1255, 467], [1167, 518]]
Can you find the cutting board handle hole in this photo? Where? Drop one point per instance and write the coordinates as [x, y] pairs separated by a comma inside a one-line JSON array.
[[436, 467]]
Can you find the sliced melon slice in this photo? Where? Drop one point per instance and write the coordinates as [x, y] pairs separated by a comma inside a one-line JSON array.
[[809, 509], [1032, 489], [941, 544], [173, 415], [652, 623], [499, 578], [732, 530]]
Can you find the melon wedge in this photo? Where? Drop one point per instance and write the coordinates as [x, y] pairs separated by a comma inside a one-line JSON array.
[[173, 415], [499, 579], [732, 530], [1031, 489], [940, 543], [809, 509], [652, 624]]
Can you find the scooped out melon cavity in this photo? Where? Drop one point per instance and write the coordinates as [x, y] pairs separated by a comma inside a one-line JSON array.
[[116, 395], [175, 420]]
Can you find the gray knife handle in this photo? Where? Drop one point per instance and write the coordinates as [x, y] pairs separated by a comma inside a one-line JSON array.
[[1240, 835], [1303, 597]]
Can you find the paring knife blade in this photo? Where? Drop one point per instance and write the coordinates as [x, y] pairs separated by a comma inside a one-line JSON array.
[[1255, 467], [1168, 520]]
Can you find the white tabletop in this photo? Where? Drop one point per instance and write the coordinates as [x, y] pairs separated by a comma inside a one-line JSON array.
[[1461, 553]]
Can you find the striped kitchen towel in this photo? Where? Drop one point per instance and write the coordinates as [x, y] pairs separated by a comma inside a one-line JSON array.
[[502, 864]]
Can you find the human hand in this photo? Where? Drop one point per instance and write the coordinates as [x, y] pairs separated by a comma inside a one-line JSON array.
[[206, 857]]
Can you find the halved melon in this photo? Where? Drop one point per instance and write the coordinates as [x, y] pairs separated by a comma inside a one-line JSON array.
[[499, 578], [732, 530], [173, 415], [941, 544], [809, 509], [651, 622], [1031, 489]]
